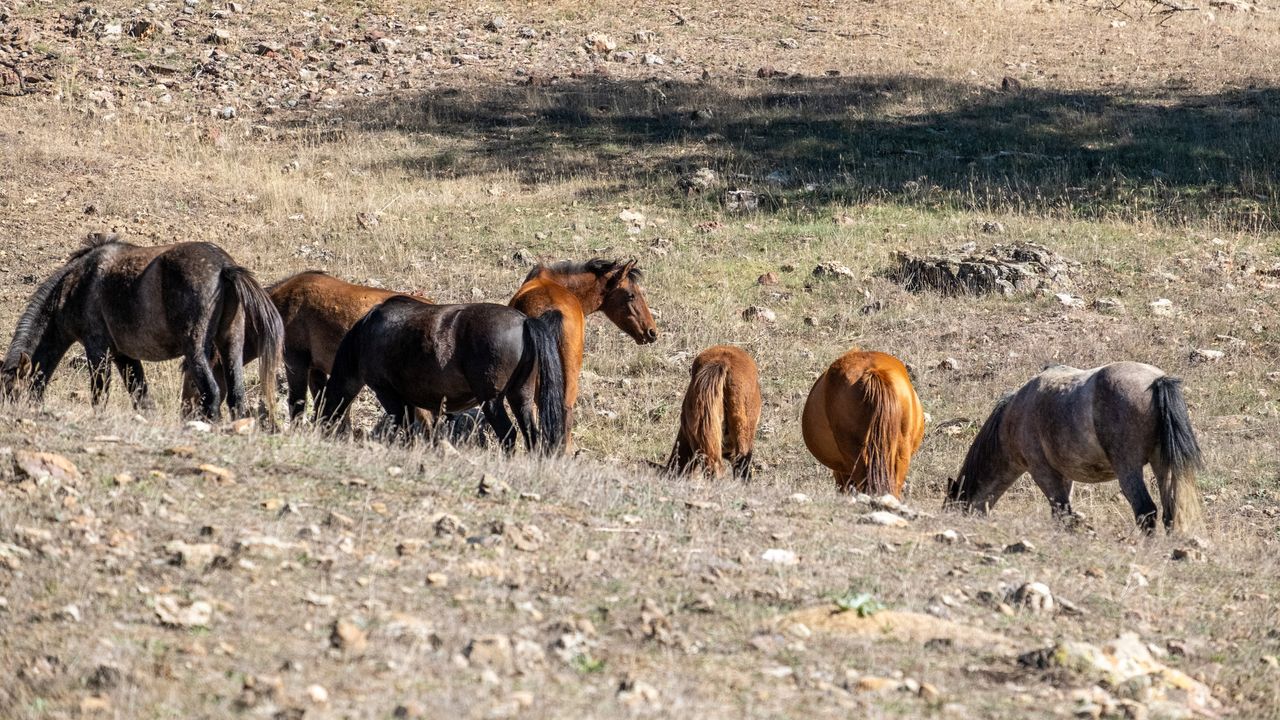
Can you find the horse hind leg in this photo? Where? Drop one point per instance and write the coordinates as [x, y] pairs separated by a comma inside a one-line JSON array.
[[135, 380], [1135, 491], [233, 377]]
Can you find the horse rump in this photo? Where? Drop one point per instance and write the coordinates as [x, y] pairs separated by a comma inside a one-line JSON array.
[[883, 431], [1178, 455], [702, 422]]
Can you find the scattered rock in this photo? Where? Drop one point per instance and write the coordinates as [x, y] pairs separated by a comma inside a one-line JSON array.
[[600, 44], [949, 364], [699, 181], [491, 486], [1034, 596], [1003, 269], [885, 519], [1108, 305], [1192, 554], [446, 525], [493, 652], [637, 694], [525, 537], [496, 24], [1069, 300], [219, 36], [1127, 662], [349, 637], [758, 313], [1163, 307], [1022, 546], [317, 694], [43, 466], [198, 556], [833, 269], [949, 537], [215, 474], [173, 612], [741, 201], [778, 556], [769, 278], [1206, 355], [652, 59], [789, 43]]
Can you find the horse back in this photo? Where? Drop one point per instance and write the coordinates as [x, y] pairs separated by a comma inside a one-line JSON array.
[[319, 309]]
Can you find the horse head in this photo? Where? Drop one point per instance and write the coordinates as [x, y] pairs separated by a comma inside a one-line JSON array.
[[625, 304], [16, 376]]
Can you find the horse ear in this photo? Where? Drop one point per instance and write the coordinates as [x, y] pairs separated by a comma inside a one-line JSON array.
[[615, 277]]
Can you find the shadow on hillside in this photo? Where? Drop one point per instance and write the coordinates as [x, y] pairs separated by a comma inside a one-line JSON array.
[[916, 141]]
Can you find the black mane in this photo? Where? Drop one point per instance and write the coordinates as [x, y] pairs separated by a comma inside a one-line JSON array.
[[595, 266], [984, 451], [94, 241]]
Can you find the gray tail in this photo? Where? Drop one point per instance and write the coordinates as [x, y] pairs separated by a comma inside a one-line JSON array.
[[545, 332], [1178, 453], [264, 326]]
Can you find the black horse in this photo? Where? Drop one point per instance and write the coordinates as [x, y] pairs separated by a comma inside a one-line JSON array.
[[454, 357], [126, 304]]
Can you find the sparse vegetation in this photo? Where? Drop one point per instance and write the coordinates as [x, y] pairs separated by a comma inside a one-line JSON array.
[[1143, 151]]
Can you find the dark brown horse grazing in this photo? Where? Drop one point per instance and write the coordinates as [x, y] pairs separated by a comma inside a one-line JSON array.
[[126, 304], [720, 414], [436, 357], [576, 290], [864, 421], [1067, 425]]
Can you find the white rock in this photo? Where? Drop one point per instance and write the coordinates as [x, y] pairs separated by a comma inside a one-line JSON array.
[[317, 694], [778, 556], [885, 518], [1162, 307], [1069, 300], [1206, 355]]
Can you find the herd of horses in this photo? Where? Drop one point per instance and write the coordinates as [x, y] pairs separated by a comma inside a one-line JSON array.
[[430, 365]]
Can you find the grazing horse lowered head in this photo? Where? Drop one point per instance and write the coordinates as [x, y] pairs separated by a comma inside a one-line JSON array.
[[414, 355], [1067, 425], [864, 421], [720, 414], [126, 304]]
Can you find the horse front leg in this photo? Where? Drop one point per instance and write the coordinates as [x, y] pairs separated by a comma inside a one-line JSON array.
[[1057, 489], [135, 380], [98, 354]]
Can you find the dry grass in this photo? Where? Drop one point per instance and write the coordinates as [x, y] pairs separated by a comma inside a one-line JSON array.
[[1131, 149]]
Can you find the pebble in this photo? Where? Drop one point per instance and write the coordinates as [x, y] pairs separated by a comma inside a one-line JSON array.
[[779, 556]]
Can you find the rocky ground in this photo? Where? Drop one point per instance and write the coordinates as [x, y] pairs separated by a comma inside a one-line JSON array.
[[981, 191]]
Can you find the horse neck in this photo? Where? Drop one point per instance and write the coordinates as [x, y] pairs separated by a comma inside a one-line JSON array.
[[37, 333], [587, 287]]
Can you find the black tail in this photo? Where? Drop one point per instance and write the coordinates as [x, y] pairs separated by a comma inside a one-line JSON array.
[[264, 332], [545, 333], [345, 381], [1178, 452]]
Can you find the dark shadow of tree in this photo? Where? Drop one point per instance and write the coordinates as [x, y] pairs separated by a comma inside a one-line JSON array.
[[1162, 155]]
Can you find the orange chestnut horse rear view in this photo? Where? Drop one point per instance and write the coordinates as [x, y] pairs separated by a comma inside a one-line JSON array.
[[863, 420], [720, 414]]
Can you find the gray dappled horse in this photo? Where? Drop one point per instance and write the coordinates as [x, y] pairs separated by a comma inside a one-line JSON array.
[[1067, 425], [126, 304]]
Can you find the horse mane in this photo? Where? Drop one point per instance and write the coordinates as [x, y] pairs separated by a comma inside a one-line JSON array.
[[94, 241], [596, 266], [985, 448], [37, 310]]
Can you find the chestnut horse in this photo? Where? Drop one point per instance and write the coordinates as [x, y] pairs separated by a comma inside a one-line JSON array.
[[317, 310], [720, 414], [126, 304], [417, 355], [576, 290], [863, 420], [1067, 425]]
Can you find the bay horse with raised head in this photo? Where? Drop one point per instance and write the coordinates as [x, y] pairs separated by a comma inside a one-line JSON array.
[[413, 355], [1067, 425], [719, 416], [126, 304], [576, 290], [864, 421]]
